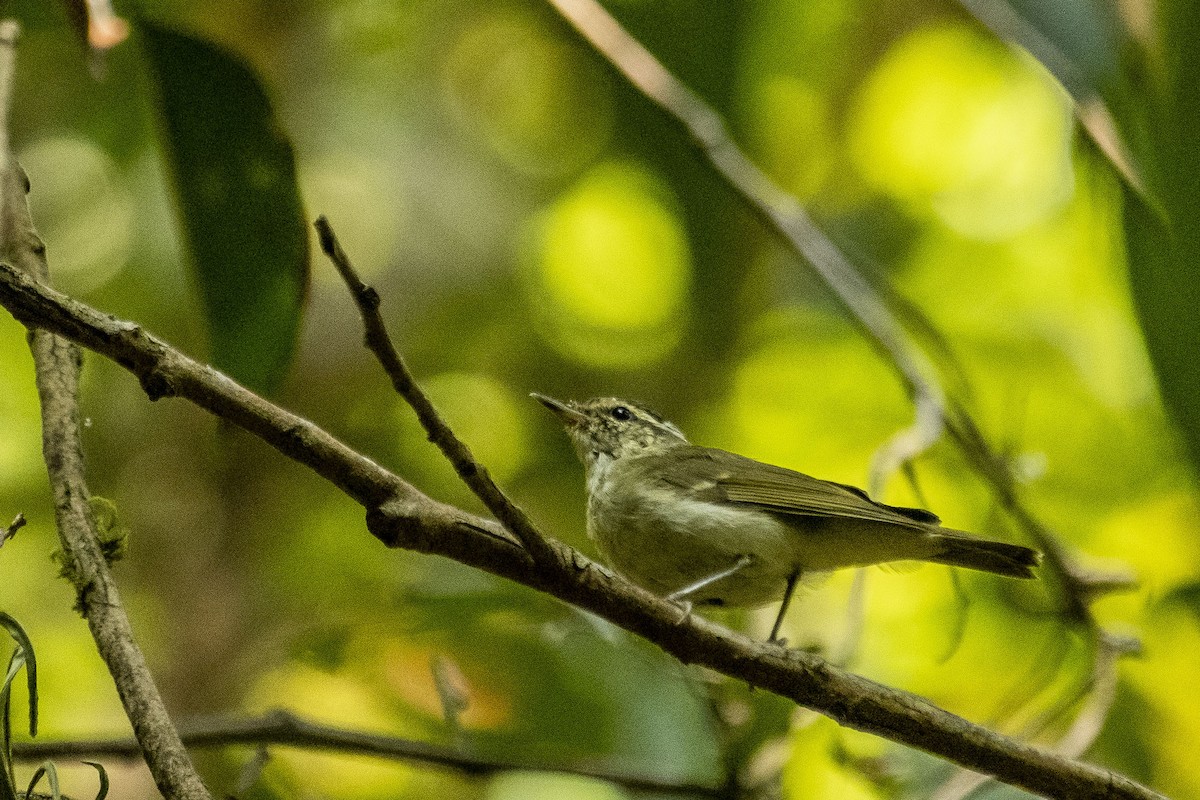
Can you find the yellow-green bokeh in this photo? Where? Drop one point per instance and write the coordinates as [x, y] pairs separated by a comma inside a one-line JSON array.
[[956, 124], [542, 106], [611, 270], [519, 785], [490, 417], [809, 394], [84, 211], [792, 133]]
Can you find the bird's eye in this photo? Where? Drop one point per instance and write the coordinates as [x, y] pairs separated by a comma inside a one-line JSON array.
[[622, 413]]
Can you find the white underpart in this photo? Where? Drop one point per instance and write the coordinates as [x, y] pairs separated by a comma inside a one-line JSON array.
[[598, 472]]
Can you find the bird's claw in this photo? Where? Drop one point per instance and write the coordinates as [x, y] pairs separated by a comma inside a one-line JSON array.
[[685, 606]]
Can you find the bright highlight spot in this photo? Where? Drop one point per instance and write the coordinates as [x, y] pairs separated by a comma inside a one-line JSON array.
[[337, 699], [365, 205], [613, 269], [813, 396], [516, 785], [966, 128], [83, 211]]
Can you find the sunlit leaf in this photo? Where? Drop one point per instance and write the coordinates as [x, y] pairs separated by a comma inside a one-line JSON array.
[[235, 180]]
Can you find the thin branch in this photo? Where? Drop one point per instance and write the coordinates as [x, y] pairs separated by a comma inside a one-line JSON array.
[[1101, 693], [1097, 119], [283, 728], [473, 474], [401, 516], [784, 216], [57, 363]]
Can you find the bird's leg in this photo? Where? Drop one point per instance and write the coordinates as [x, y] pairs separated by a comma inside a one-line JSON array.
[[783, 607], [680, 596]]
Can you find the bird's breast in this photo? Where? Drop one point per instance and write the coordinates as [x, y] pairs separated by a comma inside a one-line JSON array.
[[664, 540]]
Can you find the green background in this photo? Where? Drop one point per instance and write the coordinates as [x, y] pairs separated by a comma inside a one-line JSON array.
[[533, 224]]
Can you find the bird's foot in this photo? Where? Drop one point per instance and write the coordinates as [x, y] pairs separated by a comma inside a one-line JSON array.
[[685, 607]]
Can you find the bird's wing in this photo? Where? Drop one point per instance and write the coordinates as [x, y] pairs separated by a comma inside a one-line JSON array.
[[719, 476]]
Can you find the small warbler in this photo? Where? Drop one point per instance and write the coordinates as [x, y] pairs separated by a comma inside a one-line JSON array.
[[701, 525]]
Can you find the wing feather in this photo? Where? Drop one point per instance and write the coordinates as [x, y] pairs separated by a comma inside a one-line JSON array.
[[720, 476]]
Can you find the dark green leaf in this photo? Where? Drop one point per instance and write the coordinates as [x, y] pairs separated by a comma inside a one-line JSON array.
[[1163, 242], [8, 787], [1081, 43], [26, 649], [103, 793], [1075, 39], [235, 181]]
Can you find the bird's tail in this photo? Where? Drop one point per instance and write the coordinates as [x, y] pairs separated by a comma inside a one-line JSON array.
[[964, 550]]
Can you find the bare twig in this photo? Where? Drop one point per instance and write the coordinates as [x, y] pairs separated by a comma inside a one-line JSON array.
[[57, 363], [283, 728], [473, 474], [401, 516]]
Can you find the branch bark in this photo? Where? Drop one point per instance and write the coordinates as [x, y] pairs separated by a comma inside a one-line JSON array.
[[472, 473], [401, 516], [284, 728], [57, 364]]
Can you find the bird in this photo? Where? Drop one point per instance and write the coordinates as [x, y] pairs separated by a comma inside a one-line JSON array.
[[699, 525]]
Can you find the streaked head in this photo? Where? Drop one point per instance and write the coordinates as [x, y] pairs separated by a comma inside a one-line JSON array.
[[612, 427]]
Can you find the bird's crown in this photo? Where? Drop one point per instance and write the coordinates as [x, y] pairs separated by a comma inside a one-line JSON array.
[[613, 427]]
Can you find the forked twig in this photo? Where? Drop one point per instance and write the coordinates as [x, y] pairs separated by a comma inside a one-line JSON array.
[[473, 474]]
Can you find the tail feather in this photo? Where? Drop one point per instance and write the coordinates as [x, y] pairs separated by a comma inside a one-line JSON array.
[[963, 550]]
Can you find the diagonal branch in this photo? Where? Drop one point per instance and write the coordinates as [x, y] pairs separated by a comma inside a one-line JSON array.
[[401, 516], [473, 474], [57, 363], [284, 728], [783, 216]]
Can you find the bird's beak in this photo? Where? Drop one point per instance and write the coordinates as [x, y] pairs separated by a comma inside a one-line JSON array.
[[568, 415]]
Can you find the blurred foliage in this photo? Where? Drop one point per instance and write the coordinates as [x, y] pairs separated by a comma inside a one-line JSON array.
[[235, 179], [533, 224]]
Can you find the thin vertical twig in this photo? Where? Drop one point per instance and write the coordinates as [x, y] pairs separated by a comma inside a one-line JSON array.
[[57, 363]]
